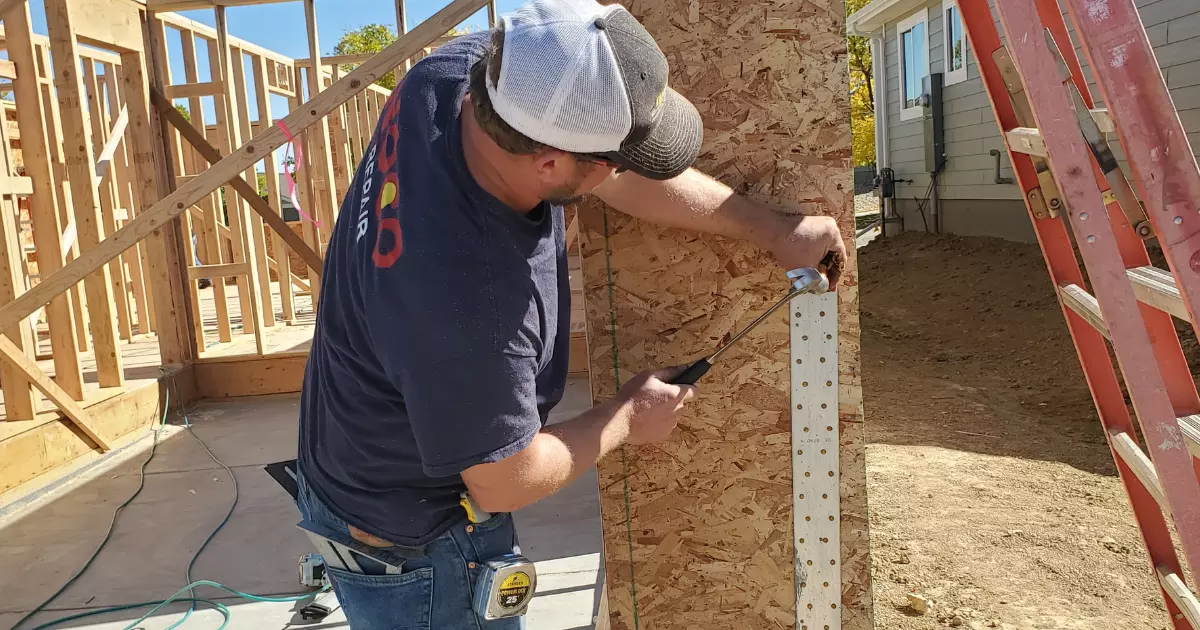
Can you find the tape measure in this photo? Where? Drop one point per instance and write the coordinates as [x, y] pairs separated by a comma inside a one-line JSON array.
[[505, 587]]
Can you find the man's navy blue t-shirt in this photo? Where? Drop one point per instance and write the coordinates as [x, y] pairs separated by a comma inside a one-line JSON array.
[[443, 325]]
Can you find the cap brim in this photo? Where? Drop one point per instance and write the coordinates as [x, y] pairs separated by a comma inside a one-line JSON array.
[[672, 145]]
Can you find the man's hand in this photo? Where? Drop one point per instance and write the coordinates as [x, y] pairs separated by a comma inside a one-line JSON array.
[[654, 406], [645, 410], [804, 241]]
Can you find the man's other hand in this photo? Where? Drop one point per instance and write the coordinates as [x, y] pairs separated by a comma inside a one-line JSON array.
[[654, 405], [805, 240], [645, 410]]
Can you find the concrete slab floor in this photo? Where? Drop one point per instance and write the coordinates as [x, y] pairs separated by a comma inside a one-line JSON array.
[[186, 495]]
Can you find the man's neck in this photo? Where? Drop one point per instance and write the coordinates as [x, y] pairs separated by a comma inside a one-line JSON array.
[[492, 167]]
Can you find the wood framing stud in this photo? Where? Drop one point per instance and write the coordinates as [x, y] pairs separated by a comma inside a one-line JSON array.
[[318, 155], [43, 205], [85, 199], [165, 270], [188, 90], [16, 185], [104, 162], [218, 271], [263, 208], [12, 355], [20, 401]]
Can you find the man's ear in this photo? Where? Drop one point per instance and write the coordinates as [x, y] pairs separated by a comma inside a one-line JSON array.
[[551, 164]]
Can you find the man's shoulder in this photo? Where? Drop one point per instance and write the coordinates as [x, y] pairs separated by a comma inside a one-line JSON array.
[[470, 45], [451, 60]]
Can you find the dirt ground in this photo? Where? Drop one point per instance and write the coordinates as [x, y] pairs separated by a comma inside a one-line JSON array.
[[992, 492]]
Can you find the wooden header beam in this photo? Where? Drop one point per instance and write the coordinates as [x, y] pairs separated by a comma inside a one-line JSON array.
[[188, 5], [111, 25], [230, 167], [209, 33]]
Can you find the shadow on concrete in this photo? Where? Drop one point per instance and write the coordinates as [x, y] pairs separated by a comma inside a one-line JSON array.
[[50, 535]]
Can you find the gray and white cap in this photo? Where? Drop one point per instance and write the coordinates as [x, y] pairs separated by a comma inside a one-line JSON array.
[[587, 78]]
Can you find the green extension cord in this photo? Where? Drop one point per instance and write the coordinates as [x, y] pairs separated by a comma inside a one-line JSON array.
[[177, 597]]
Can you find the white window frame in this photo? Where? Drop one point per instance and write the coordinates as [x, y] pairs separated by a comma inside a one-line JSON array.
[[953, 76], [907, 24]]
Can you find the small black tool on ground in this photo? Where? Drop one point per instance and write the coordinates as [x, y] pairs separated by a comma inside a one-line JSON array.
[[807, 280]]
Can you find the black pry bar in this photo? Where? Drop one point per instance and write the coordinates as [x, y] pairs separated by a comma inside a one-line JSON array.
[[694, 372]]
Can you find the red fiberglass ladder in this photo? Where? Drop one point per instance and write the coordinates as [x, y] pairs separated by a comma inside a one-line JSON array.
[[1074, 186]]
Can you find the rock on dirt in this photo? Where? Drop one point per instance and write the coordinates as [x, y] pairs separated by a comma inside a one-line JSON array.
[[984, 450], [918, 603]]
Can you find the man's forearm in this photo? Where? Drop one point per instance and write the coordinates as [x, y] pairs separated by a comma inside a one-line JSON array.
[[557, 456], [695, 201], [692, 201]]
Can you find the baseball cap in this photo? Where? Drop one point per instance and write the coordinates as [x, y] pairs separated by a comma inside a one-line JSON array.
[[587, 78]]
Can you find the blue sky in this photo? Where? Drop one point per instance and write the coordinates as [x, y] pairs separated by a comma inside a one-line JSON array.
[[280, 27]]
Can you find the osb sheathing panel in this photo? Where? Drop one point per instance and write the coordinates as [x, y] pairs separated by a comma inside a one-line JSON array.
[[707, 536]]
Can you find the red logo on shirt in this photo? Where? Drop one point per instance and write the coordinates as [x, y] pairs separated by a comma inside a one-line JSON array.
[[388, 241]]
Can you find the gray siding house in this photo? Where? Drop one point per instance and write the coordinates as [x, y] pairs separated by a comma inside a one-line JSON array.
[[912, 39]]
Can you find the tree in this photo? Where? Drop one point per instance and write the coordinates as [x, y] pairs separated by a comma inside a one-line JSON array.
[[372, 38], [183, 111], [860, 54], [862, 123], [862, 94]]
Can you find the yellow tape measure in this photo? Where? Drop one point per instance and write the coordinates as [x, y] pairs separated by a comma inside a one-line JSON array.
[[505, 587]]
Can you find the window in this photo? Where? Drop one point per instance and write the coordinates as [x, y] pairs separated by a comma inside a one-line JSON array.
[[914, 64], [955, 43]]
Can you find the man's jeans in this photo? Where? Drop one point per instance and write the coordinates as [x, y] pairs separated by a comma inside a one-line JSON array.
[[432, 592]]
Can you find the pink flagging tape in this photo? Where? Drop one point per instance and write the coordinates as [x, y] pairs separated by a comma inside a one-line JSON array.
[[295, 147]]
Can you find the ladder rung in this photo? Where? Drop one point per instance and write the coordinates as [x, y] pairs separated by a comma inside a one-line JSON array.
[[1183, 596], [1026, 140], [1103, 120], [1189, 426], [1142, 467], [1156, 287], [1029, 140], [1084, 305]]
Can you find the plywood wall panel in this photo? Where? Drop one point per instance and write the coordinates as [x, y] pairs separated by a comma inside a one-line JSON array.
[[698, 531]]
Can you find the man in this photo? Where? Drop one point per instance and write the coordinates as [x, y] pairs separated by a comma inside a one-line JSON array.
[[442, 334]]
